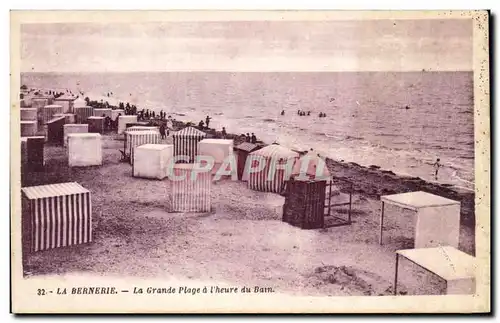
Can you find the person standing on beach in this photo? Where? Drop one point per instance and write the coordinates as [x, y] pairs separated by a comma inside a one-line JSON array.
[[207, 121], [162, 131], [254, 138], [436, 165], [248, 138], [201, 124], [224, 133]]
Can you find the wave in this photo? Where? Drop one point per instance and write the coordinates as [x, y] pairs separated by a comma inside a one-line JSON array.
[[268, 120], [354, 138], [389, 135]]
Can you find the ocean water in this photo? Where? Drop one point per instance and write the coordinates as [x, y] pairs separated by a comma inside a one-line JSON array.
[[366, 122]]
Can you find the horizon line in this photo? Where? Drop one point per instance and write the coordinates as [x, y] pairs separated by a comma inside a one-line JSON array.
[[248, 71]]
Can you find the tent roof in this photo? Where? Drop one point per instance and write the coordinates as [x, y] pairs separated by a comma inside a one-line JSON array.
[[189, 132], [311, 165], [247, 146], [275, 150], [80, 103]]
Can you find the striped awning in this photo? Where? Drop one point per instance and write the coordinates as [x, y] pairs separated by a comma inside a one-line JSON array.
[[61, 189], [189, 132]]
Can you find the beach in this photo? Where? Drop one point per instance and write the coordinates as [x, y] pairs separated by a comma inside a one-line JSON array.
[[243, 240]]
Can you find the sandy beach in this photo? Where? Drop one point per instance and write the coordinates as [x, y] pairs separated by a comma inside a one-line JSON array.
[[243, 240]]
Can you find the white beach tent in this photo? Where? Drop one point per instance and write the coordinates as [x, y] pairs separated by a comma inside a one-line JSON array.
[[311, 166], [268, 168], [79, 103]]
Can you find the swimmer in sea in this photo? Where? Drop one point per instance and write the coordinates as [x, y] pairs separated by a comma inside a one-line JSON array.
[[436, 165]]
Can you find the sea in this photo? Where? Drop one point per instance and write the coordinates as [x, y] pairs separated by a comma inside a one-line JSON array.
[[399, 121]]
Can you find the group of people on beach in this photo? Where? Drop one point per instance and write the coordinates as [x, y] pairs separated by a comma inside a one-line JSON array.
[[250, 138], [303, 113], [148, 115], [205, 124]]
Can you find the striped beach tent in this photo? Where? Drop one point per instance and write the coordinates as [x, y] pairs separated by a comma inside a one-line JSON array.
[[49, 111], [138, 138], [312, 167], [39, 104], [268, 168], [83, 113], [186, 142], [142, 128], [56, 215], [189, 189]]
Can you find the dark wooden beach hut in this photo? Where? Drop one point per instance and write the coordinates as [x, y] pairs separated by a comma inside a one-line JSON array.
[[242, 151], [308, 195], [186, 143], [55, 130], [96, 124], [32, 154]]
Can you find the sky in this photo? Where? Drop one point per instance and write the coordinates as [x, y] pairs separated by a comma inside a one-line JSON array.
[[375, 45]]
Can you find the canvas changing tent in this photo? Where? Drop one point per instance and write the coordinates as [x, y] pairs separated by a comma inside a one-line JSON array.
[[123, 120], [138, 138], [32, 159], [49, 111], [103, 113], [55, 215], [186, 142], [66, 102], [78, 103], [241, 153], [189, 189], [29, 114], [55, 130], [84, 149], [270, 167], [96, 124], [29, 128], [218, 149], [116, 112], [68, 117], [152, 161], [39, 104], [74, 128], [83, 113], [311, 167]]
